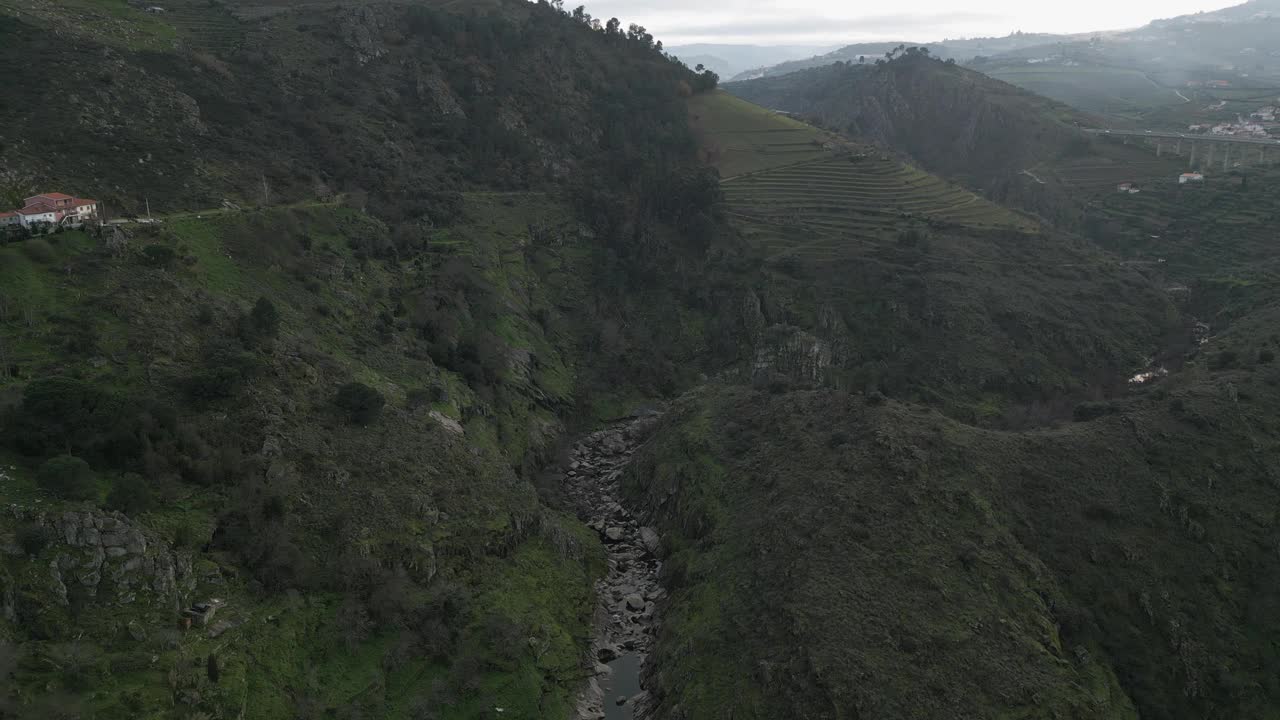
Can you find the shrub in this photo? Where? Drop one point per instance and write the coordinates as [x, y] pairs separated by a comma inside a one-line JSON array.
[[359, 402], [131, 494], [1223, 360], [39, 251], [1266, 356], [67, 476], [1090, 410], [213, 384], [158, 256], [204, 315], [34, 538], [185, 537], [423, 397]]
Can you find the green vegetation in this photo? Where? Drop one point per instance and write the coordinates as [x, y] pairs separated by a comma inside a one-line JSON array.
[[329, 409], [359, 402], [900, 282], [832, 553], [288, 458], [797, 190], [1103, 556], [857, 197], [364, 553], [738, 137], [67, 476]]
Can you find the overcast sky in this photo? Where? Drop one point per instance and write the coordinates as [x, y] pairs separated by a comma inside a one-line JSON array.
[[838, 22]]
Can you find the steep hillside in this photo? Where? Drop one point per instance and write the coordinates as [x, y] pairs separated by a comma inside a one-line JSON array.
[[342, 449], [394, 100], [834, 557], [283, 461], [878, 276]]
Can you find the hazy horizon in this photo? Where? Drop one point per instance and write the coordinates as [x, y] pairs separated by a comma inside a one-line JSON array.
[[828, 22]]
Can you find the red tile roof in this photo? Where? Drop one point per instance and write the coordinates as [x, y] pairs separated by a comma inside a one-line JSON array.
[[36, 209], [52, 196], [7, 214], [84, 201]]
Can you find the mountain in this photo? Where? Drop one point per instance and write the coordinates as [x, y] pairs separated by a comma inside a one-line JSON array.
[[953, 121], [961, 50], [1196, 69], [729, 60], [1164, 74]]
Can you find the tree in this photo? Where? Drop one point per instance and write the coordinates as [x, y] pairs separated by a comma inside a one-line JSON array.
[[265, 317], [261, 324], [359, 402], [67, 476]]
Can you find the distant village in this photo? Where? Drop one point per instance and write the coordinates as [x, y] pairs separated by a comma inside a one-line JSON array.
[[52, 210], [1260, 124]]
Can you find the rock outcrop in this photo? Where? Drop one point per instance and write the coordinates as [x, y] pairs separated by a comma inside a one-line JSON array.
[[110, 559]]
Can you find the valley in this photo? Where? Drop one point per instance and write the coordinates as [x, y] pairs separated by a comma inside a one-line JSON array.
[[462, 361]]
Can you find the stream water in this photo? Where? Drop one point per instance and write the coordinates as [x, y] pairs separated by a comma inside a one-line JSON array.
[[629, 595]]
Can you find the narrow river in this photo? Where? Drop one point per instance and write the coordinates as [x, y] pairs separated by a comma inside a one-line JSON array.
[[629, 596]]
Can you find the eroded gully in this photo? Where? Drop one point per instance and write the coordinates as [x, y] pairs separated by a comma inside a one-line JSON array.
[[628, 597]]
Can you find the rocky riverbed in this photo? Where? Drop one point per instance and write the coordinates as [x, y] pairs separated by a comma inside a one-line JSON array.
[[629, 596]]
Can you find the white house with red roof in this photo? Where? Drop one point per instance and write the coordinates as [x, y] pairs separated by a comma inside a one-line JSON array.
[[52, 208]]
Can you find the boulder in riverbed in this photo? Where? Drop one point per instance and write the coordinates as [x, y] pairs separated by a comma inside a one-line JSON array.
[[649, 537]]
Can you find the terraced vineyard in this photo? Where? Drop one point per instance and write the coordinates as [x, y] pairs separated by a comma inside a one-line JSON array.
[[824, 207], [204, 26], [740, 138], [797, 190]]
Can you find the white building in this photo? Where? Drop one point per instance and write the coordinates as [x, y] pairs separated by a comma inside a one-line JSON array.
[[55, 208], [37, 215]]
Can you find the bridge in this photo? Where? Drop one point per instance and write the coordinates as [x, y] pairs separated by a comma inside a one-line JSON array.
[[1252, 151]]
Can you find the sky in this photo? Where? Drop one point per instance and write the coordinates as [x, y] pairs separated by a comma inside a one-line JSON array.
[[840, 22]]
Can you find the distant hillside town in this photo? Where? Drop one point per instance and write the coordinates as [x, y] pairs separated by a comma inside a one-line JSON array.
[[52, 209]]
